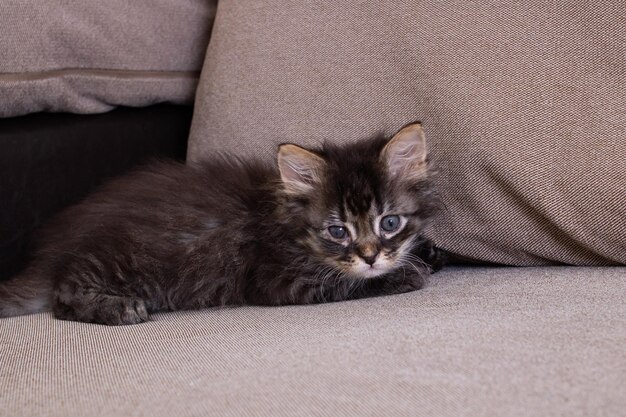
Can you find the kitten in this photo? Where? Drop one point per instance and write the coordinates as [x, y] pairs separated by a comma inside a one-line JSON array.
[[332, 224]]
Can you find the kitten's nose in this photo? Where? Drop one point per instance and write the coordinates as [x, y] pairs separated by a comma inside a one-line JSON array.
[[370, 259]]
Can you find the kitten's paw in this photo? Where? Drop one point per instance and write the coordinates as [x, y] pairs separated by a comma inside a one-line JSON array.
[[104, 309], [389, 285], [408, 286], [433, 256], [134, 311]]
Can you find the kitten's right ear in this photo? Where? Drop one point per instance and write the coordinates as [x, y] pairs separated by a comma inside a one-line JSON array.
[[299, 169]]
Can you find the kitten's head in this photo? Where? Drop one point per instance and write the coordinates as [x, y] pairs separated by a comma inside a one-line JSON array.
[[360, 208]]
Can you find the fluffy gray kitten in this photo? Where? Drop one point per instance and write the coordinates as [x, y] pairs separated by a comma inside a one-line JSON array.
[[336, 223]]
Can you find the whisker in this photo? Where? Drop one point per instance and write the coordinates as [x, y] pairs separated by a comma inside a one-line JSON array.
[[329, 272], [354, 286], [415, 258]]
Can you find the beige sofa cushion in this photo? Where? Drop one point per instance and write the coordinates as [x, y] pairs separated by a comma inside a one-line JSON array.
[[475, 342], [92, 55], [523, 104]]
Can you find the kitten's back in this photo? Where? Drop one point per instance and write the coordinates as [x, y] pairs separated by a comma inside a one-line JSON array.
[[161, 207]]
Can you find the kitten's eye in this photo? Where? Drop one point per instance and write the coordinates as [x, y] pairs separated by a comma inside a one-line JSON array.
[[390, 223], [338, 232]]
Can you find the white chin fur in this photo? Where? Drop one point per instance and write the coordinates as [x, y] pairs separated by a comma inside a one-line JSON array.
[[363, 270]]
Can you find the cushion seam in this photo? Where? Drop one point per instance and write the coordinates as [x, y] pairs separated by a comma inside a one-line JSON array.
[[95, 72]]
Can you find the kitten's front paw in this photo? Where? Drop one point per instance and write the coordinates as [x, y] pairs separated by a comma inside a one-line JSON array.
[[104, 309], [134, 311], [434, 257], [413, 285], [116, 311], [389, 286]]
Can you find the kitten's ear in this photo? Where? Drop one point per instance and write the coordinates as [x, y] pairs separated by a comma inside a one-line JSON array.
[[405, 153], [299, 169]]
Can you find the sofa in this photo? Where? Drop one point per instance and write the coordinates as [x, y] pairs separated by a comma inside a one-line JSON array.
[[524, 113]]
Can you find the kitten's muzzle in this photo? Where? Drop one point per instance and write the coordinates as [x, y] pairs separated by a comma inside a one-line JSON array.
[[368, 252]]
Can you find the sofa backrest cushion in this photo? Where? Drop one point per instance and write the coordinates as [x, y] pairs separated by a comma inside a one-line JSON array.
[[92, 55], [523, 105]]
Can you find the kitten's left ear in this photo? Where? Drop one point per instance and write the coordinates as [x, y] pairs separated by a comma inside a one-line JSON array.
[[405, 153], [299, 168]]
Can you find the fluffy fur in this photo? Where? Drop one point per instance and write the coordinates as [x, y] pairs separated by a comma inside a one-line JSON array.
[[230, 231]]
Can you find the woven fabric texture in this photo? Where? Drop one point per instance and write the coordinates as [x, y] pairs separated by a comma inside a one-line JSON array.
[[90, 56], [523, 104], [475, 342]]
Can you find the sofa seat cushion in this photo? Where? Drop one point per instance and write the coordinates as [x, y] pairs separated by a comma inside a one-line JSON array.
[[474, 342]]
